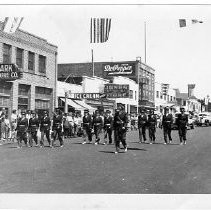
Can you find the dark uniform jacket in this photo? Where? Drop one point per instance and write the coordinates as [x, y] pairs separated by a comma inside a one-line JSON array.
[[45, 123], [57, 122], [182, 120], [97, 121], [152, 120], [167, 120], [87, 121], [33, 124], [108, 122], [22, 125], [120, 121], [142, 120]]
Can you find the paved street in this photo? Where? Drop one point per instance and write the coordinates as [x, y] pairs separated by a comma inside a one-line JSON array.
[[88, 168]]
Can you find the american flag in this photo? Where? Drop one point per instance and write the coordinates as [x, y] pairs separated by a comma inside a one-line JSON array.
[[99, 30]]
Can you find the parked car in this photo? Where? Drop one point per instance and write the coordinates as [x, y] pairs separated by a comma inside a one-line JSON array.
[[204, 119]]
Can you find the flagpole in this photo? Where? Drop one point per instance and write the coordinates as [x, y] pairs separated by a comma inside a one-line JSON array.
[[93, 67], [145, 42]]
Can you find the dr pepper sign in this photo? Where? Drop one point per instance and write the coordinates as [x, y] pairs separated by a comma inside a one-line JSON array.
[[9, 72]]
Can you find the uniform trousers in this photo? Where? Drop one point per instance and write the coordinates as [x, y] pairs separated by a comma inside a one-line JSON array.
[[120, 136], [45, 132], [142, 132], [58, 132]]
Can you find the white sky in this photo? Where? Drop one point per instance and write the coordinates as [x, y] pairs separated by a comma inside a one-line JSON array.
[[180, 56]]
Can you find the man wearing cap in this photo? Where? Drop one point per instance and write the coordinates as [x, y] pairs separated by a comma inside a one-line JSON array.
[[97, 125], [45, 125], [33, 127], [87, 126], [142, 121], [57, 127], [152, 122], [108, 126], [182, 121], [166, 124], [22, 126], [120, 128]]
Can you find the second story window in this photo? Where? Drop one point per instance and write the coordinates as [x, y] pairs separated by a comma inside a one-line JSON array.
[[42, 64], [6, 53], [131, 94], [157, 94], [19, 57], [31, 61]]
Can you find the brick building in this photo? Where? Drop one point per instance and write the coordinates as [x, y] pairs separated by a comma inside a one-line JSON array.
[[37, 59], [134, 70]]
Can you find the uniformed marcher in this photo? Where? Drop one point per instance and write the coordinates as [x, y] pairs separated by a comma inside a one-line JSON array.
[[33, 128], [57, 127], [45, 126], [142, 123], [108, 127], [97, 126], [120, 129], [166, 125], [182, 121], [22, 126], [87, 127], [152, 122]]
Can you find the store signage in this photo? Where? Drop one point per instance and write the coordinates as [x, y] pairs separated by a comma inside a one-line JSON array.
[[86, 95], [116, 90], [9, 72], [119, 69]]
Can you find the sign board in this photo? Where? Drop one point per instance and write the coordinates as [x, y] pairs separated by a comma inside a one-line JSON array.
[[86, 95], [119, 69], [9, 72], [116, 90]]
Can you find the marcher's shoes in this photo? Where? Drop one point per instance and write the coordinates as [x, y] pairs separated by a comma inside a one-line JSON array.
[[164, 143], [84, 142], [181, 143], [184, 142], [116, 152], [61, 145], [96, 143], [125, 149], [150, 143]]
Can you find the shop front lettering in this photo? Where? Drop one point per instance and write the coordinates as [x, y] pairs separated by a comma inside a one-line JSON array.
[[6, 68]]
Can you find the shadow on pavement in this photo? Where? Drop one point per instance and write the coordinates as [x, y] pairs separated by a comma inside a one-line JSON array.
[[130, 148]]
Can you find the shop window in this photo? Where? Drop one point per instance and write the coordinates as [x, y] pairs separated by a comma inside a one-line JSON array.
[[23, 90], [131, 94], [41, 92], [42, 64], [41, 104], [6, 53], [19, 57], [4, 101], [5, 89], [23, 103], [31, 56]]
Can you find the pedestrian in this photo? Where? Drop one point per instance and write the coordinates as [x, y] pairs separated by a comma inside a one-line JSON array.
[[71, 124], [142, 123], [120, 128], [97, 126], [152, 122], [14, 118], [66, 126], [22, 127], [87, 126], [57, 127], [166, 125], [7, 127], [108, 127], [182, 121], [45, 126], [33, 128]]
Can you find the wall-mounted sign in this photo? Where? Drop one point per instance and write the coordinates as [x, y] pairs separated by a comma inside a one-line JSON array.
[[85, 95], [116, 90], [119, 69], [9, 72]]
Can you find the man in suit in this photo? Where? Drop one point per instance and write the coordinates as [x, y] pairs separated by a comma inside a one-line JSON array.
[[182, 122], [166, 124], [108, 126], [87, 126], [152, 122], [142, 123]]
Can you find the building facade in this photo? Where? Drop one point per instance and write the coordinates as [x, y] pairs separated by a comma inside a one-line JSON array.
[[141, 73], [37, 60]]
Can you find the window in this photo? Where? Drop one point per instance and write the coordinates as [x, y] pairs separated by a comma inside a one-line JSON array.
[[23, 90], [41, 92], [42, 64], [184, 103], [161, 96], [135, 95], [131, 94], [171, 98], [19, 57], [168, 97], [31, 61], [164, 97], [6, 53], [157, 94]]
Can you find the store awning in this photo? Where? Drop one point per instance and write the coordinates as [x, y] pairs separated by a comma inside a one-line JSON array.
[[75, 105], [82, 103]]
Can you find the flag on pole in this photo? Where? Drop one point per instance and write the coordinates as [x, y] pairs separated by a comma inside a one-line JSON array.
[[11, 24], [99, 30], [185, 22]]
